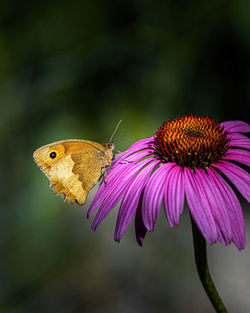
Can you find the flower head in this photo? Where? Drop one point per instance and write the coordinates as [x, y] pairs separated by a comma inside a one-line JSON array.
[[189, 157]]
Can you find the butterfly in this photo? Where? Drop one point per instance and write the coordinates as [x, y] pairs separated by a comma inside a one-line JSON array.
[[74, 166]]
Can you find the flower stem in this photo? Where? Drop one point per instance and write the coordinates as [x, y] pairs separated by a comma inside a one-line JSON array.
[[200, 252]]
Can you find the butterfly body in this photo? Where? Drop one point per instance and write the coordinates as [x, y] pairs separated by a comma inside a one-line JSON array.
[[74, 166]]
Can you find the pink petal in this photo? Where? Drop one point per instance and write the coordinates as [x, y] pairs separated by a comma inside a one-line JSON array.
[[104, 192], [236, 126], [130, 157], [239, 140], [217, 205], [239, 177], [232, 207], [119, 169], [140, 229], [116, 190], [136, 147], [239, 155], [141, 144], [199, 206], [174, 195], [153, 194], [131, 200]]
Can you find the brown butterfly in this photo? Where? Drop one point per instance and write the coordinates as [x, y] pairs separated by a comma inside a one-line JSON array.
[[74, 166]]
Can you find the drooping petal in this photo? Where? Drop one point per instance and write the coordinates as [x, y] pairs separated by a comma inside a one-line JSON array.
[[116, 190], [153, 195], [239, 140], [239, 155], [138, 148], [118, 169], [239, 177], [132, 155], [232, 207], [217, 205], [140, 229], [236, 126], [131, 200], [129, 157], [107, 188], [199, 206], [141, 144], [174, 195]]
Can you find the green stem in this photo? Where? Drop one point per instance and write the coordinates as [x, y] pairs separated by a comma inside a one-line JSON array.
[[200, 252]]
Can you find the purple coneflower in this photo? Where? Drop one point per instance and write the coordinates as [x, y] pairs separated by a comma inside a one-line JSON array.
[[193, 157]]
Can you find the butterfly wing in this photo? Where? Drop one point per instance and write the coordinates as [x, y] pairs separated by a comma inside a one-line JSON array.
[[43, 159], [75, 174], [76, 167]]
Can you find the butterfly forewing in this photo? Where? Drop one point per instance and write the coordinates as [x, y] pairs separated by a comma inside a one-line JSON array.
[[73, 166]]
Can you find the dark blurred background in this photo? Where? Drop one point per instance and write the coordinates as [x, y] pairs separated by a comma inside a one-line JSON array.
[[73, 69]]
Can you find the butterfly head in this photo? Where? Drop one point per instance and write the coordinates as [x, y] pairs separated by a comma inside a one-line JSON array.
[[111, 145]]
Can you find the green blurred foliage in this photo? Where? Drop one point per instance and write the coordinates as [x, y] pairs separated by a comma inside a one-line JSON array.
[[73, 69]]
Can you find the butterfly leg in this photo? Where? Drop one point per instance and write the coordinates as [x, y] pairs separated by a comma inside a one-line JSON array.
[[124, 159], [104, 176]]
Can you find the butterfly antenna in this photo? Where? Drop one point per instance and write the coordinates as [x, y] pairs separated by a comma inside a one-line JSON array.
[[118, 124]]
